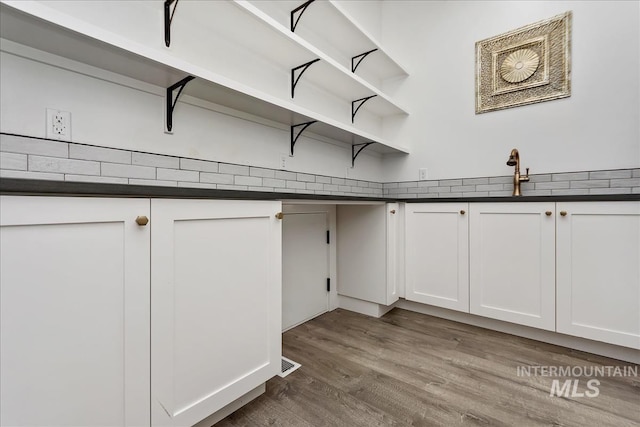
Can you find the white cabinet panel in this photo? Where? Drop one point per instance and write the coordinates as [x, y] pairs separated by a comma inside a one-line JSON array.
[[598, 288], [512, 262], [216, 304], [437, 254], [305, 268], [74, 328], [367, 252]]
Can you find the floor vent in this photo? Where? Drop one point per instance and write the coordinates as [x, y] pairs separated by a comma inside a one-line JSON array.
[[288, 366]]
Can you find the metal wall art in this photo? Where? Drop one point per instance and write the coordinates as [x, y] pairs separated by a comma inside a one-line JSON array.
[[524, 66]]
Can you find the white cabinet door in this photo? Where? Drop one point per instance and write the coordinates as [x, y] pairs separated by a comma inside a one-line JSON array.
[[367, 252], [74, 312], [216, 304], [437, 254], [598, 277], [512, 262]]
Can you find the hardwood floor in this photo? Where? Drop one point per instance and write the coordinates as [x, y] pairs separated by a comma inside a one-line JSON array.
[[409, 369]]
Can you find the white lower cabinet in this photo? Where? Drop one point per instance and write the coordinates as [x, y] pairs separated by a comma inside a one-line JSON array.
[[105, 322], [216, 304], [367, 250], [598, 271], [437, 254], [74, 312], [512, 262]]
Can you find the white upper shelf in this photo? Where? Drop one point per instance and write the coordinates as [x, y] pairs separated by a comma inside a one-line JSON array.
[[335, 77], [328, 26], [39, 27]]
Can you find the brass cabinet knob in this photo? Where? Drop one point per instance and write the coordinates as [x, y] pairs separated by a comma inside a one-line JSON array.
[[563, 213], [548, 213], [393, 211], [462, 212], [279, 215], [142, 220]]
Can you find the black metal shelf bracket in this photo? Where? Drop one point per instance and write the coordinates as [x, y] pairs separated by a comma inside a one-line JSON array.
[[356, 60], [295, 136], [301, 9], [171, 102], [355, 153], [355, 105], [294, 78], [168, 17]]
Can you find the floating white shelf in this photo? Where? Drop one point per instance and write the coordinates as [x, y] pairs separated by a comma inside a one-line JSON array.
[[39, 27], [330, 28]]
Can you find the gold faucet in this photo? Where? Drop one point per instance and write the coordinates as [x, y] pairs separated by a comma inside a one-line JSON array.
[[514, 160]]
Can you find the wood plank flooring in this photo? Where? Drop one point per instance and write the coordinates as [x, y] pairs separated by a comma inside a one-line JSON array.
[[410, 369]]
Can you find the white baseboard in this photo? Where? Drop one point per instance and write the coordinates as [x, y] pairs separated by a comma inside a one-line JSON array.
[[363, 307], [604, 349]]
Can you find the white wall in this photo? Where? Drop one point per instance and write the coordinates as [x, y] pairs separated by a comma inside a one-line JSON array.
[[598, 127]]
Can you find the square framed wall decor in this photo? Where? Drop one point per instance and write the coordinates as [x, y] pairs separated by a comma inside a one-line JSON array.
[[524, 66]]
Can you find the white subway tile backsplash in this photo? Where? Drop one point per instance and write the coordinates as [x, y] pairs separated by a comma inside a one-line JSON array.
[[296, 185], [490, 187], [552, 185], [216, 178], [475, 181], [41, 147], [315, 186], [232, 187], [290, 176], [177, 175], [439, 189], [197, 185], [127, 171], [248, 181], [621, 173], [156, 160], [503, 193], [570, 176], [450, 182], [33, 158], [101, 154], [198, 165], [270, 182], [617, 190], [501, 180], [59, 165], [629, 182], [98, 179], [13, 161], [154, 182], [31, 175], [262, 173], [592, 183], [570, 192], [303, 177], [233, 169]]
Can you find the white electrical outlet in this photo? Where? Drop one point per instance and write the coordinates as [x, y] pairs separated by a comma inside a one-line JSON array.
[[58, 125], [283, 161], [423, 174]]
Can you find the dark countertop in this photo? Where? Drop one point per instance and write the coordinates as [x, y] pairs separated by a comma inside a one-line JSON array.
[[66, 188]]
